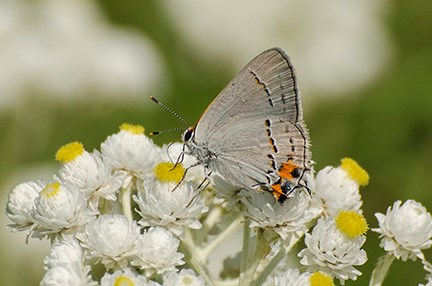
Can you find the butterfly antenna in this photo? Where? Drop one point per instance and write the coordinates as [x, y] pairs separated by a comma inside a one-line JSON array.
[[166, 131], [168, 109]]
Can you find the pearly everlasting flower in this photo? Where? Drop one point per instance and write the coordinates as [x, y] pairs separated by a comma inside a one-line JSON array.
[[60, 210], [338, 188], [405, 230], [160, 205], [126, 277], [156, 252], [67, 258], [287, 219], [131, 150], [334, 246], [185, 277], [20, 204], [110, 239], [88, 172]]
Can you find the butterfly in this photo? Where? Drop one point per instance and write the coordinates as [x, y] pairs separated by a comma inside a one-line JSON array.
[[253, 133]]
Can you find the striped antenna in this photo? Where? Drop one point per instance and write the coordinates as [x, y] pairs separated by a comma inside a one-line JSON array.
[[170, 110], [166, 131]]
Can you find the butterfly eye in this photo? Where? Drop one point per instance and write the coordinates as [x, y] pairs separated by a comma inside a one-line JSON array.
[[188, 135]]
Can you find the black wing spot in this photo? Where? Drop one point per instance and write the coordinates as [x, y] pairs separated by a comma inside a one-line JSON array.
[[264, 85]]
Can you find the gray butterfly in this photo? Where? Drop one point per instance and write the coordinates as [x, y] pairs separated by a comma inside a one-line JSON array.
[[253, 132]]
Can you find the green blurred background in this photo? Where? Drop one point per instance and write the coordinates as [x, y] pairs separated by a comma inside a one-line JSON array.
[[365, 69]]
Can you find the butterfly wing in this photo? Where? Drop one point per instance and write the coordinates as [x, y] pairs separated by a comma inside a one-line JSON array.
[[255, 125]]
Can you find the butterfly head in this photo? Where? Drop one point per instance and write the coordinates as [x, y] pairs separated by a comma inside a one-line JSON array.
[[188, 134]]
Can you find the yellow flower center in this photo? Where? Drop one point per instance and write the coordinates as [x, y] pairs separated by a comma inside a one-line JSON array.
[[134, 129], [320, 279], [355, 171], [166, 172], [123, 281], [69, 152], [351, 224], [51, 190]]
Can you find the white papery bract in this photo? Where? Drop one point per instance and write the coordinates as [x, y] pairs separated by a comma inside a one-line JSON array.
[[159, 205], [68, 275], [132, 152], [90, 174], [287, 219], [157, 252], [21, 202], [291, 277], [60, 210], [330, 251], [405, 230], [185, 277], [110, 239], [125, 277], [337, 191]]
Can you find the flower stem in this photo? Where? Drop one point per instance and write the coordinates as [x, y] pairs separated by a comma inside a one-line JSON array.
[[126, 200], [381, 269], [262, 250], [245, 246], [189, 252], [269, 268], [204, 252]]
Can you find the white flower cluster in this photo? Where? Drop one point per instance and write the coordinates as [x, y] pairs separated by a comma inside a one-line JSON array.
[[87, 213], [148, 220]]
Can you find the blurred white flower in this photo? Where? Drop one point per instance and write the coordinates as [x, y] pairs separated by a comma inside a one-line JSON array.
[[337, 45], [67, 275], [67, 48], [67, 258], [333, 252], [185, 277], [405, 230], [159, 205], [156, 252], [131, 151], [125, 277], [287, 219], [21, 202], [88, 173], [110, 239], [60, 210]]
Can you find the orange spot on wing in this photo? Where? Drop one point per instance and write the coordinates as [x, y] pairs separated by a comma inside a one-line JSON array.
[[287, 169], [277, 191]]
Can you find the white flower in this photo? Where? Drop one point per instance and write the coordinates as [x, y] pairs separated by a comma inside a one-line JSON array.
[[337, 191], [20, 204], [89, 52], [69, 275], [60, 210], [131, 150], [330, 251], [287, 219], [185, 277], [91, 175], [64, 252], [291, 277], [110, 239], [159, 205], [157, 252], [405, 230], [67, 256], [126, 277]]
